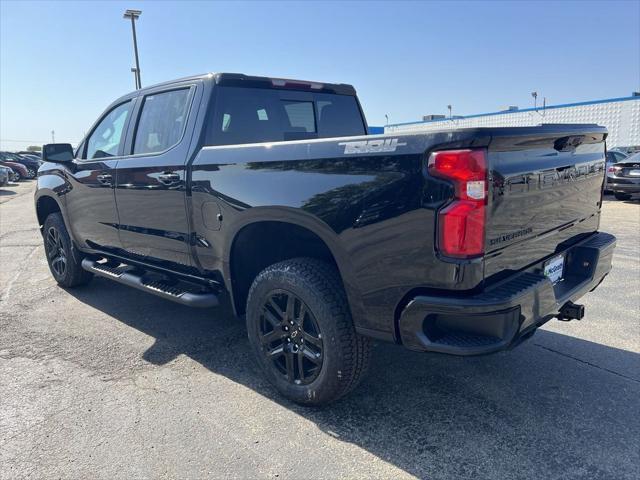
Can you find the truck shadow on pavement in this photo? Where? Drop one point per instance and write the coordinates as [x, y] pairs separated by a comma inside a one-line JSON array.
[[555, 407]]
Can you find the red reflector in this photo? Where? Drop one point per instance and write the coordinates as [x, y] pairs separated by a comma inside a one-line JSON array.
[[461, 224], [461, 229]]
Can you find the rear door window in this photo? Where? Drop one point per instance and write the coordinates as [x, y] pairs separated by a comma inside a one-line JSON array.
[[254, 115], [162, 120]]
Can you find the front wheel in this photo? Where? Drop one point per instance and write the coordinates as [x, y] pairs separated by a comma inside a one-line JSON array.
[[64, 260], [300, 329], [622, 196]]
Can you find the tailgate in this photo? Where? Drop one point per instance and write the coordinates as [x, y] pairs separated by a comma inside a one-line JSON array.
[[544, 194]]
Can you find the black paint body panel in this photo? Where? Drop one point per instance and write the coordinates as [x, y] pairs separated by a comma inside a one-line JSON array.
[[375, 211]]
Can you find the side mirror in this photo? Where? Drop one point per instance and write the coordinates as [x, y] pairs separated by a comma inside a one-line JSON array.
[[57, 152]]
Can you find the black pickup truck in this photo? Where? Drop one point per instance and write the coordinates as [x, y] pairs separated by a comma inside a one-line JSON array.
[[462, 241]]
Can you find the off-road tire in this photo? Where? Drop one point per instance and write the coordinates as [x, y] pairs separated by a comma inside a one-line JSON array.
[[59, 244], [345, 354]]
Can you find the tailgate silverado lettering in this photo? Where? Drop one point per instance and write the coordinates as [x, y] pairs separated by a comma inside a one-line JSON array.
[[510, 236]]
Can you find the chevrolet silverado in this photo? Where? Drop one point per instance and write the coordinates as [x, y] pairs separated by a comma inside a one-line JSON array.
[[462, 241]]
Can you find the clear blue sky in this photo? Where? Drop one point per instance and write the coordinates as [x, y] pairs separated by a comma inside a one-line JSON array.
[[61, 63]]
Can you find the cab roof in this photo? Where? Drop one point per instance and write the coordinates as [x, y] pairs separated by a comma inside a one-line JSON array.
[[250, 81]]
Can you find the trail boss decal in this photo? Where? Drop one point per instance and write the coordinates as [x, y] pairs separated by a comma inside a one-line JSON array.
[[372, 146]]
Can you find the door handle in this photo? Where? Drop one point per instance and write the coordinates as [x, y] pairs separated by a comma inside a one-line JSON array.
[[168, 178], [104, 179]]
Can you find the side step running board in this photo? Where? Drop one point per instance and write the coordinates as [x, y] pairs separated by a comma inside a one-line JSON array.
[[155, 287]]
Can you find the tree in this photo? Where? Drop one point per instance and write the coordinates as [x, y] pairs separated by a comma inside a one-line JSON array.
[[34, 148]]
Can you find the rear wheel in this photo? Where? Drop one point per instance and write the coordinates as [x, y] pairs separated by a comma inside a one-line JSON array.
[[302, 334], [622, 196], [64, 260]]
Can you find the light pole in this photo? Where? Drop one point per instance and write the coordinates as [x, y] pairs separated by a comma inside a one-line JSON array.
[[133, 15], [450, 108], [535, 100]]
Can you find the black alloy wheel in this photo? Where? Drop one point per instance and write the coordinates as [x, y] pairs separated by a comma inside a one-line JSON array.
[[65, 262], [291, 338], [55, 252], [300, 329]]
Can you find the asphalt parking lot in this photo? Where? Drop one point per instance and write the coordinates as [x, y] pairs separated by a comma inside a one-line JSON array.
[[107, 382]]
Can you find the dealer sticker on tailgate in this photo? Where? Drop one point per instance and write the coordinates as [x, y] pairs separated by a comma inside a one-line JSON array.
[[553, 268]]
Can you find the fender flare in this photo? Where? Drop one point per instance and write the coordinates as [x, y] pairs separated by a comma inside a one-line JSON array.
[[298, 218], [52, 184]]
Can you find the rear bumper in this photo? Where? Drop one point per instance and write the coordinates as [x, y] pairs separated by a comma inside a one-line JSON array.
[[506, 313], [624, 188], [626, 184]]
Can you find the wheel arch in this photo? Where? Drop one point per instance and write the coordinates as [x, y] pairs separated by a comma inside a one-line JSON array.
[[270, 236], [46, 204]]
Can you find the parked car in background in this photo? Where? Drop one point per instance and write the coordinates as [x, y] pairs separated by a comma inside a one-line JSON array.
[[13, 175], [5, 174], [38, 155], [30, 164], [623, 178], [31, 156], [627, 150], [19, 169], [613, 156]]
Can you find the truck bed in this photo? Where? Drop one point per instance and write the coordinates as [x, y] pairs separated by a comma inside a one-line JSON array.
[[371, 200]]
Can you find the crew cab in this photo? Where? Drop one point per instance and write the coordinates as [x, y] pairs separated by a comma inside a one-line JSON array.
[[462, 241]]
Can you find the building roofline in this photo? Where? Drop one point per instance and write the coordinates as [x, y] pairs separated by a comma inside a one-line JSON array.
[[510, 112]]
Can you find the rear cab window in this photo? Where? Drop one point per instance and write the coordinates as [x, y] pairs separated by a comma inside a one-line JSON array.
[[254, 115]]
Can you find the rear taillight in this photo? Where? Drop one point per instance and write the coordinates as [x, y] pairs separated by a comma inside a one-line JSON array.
[[614, 169], [461, 224]]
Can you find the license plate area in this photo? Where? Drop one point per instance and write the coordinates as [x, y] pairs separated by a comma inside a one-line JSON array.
[[634, 173], [554, 269]]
